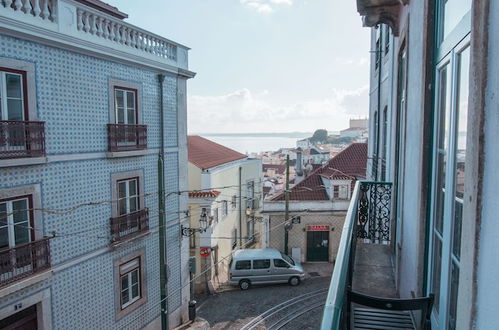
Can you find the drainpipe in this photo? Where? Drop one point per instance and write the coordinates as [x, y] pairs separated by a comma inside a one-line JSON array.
[[162, 227], [286, 211], [240, 209]]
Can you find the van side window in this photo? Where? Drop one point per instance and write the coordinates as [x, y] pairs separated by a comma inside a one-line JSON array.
[[243, 264], [280, 263], [261, 264]]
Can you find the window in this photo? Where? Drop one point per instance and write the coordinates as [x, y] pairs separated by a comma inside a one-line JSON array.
[[13, 102], [16, 223], [125, 104], [250, 189], [243, 264], [130, 282], [233, 203], [261, 264], [225, 208], [336, 192], [128, 196], [279, 263]]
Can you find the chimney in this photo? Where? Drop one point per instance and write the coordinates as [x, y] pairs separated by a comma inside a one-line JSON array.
[[298, 166]]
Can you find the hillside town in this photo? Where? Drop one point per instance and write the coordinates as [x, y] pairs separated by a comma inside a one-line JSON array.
[[116, 214]]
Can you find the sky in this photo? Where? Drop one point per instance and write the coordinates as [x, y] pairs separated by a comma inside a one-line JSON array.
[[265, 65]]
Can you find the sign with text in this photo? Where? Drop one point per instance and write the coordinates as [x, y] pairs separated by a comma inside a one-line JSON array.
[[317, 228], [204, 251]]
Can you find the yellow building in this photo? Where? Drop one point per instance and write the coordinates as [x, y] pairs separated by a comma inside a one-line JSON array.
[[225, 198]]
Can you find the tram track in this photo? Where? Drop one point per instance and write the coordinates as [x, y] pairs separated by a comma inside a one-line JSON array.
[[282, 314]]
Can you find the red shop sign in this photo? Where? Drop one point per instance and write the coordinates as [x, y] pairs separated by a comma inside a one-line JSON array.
[[204, 251], [317, 227]]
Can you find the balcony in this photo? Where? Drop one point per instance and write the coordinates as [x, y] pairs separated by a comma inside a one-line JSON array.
[[129, 225], [87, 25], [362, 292], [123, 137], [21, 139], [24, 260]]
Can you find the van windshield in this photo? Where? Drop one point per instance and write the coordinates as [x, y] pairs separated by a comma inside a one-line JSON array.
[[288, 259]]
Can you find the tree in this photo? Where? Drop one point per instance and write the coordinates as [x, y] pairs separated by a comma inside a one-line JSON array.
[[320, 136]]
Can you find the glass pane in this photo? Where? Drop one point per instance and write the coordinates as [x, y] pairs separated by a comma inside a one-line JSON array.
[[124, 282], [437, 260], [132, 186], [261, 264], [134, 204], [20, 210], [15, 109], [454, 284], [119, 98], [4, 237], [135, 291], [21, 233], [122, 189], [460, 155], [442, 136], [130, 116], [3, 214], [122, 206], [130, 100], [124, 296], [14, 85], [454, 11], [135, 276], [120, 116]]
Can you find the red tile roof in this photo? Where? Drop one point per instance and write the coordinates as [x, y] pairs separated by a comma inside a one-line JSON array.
[[348, 164], [278, 168], [204, 194], [206, 154]]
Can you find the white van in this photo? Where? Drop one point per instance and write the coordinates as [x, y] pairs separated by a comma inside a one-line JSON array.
[[263, 266]]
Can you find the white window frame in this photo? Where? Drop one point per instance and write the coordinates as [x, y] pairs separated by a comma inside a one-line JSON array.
[[29, 83], [126, 271], [124, 85], [3, 94], [128, 196], [9, 221], [117, 177], [120, 266], [125, 92]]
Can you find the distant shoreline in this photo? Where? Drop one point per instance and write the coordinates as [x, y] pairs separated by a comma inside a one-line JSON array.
[[299, 135]]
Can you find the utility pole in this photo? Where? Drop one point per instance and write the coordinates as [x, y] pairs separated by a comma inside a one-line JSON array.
[[162, 227], [240, 208], [286, 212]]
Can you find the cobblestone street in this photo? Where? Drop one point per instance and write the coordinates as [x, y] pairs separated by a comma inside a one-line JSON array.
[[233, 309]]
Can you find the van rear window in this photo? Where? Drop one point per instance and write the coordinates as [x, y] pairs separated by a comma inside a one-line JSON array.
[[261, 263], [243, 264]]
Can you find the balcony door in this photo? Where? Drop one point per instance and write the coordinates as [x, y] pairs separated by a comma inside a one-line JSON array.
[[12, 110], [450, 130], [15, 222]]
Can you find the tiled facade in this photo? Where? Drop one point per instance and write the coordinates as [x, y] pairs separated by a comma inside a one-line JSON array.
[[72, 97]]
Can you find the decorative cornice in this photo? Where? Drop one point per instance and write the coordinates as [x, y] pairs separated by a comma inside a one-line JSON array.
[[376, 12]]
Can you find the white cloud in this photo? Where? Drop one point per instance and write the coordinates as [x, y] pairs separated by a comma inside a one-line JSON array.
[[265, 6], [244, 111]]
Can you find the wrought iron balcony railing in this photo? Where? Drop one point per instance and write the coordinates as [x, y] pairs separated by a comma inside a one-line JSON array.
[[123, 137], [19, 139], [24, 260], [129, 225], [367, 219]]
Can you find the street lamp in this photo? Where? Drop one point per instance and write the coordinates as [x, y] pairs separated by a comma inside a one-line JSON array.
[[203, 225]]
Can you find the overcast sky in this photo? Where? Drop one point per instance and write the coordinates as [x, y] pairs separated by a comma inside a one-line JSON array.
[[266, 65]]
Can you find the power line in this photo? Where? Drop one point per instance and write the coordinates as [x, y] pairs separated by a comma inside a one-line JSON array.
[[206, 270]]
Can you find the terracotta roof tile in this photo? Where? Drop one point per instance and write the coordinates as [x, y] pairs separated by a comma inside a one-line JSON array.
[[349, 163], [279, 168], [206, 154], [204, 194]]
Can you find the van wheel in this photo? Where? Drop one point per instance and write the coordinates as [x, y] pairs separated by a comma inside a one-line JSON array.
[[244, 284], [294, 281]]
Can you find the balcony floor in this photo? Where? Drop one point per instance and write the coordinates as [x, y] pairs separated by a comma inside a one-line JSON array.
[[373, 271]]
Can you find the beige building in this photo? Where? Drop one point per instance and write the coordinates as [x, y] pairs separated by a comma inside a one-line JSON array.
[[225, 198], [317, 208]]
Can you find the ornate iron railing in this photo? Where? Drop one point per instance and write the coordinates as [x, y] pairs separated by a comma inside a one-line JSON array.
[[368, 220], [24, 260], [123, 137], [129, 225], [374, 211], [20, 139]]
